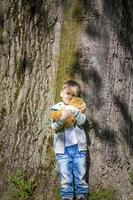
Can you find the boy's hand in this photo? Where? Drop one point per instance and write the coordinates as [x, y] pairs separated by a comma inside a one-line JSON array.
[[65, 114]]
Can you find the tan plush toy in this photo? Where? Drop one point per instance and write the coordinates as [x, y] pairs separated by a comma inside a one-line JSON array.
[[69, 122]]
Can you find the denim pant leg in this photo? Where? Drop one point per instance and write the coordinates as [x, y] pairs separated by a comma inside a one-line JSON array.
[[65, 174], [79, 171]]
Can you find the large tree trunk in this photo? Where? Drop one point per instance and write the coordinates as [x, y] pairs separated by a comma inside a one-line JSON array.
[[44, 42], [106, 45], [28, 50]]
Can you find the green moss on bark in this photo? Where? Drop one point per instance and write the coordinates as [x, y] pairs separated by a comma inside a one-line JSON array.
[[71, 20]]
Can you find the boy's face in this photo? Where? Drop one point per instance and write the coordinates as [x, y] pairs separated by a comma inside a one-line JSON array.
[[68, 93]]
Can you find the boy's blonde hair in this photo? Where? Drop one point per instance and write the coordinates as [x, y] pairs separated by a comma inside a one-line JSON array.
[[74, 84]]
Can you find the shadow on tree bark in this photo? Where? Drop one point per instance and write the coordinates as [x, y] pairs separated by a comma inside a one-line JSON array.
[[128, 131], [119, 13], [122, 13], [90, 76]]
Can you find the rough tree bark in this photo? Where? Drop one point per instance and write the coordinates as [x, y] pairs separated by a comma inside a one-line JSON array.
[[106, 45], [44, 42], [28, 50]]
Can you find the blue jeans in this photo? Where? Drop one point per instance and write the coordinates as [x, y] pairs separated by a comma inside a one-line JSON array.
[[72, 172]]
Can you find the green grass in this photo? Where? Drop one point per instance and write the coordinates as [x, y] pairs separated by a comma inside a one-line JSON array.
[[23, 188], [103, 194]]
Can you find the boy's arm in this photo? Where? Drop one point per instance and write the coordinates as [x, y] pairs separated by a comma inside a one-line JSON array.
[[79, 116], [58, 125]]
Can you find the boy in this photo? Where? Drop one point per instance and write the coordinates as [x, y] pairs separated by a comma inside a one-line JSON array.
[[70, 146]]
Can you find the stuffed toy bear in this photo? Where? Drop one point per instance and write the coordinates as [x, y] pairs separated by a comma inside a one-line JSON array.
[[70, 121]]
